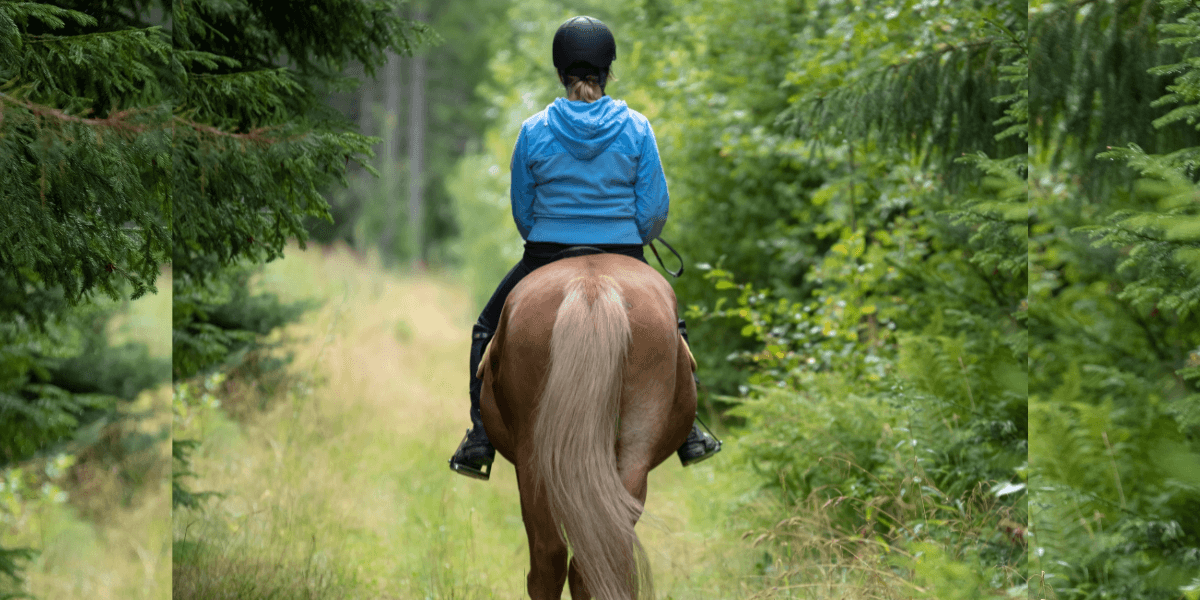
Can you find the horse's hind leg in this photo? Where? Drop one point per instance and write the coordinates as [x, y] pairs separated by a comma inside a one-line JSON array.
[[578, 589], [547, 550]]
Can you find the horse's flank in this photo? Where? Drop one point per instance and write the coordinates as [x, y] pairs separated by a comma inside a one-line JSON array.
[[611, 349]]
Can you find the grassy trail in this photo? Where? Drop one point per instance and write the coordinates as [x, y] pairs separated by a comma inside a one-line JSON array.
[[341, 489]]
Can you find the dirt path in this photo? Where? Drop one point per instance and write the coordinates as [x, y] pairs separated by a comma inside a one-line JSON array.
[[355, 470]]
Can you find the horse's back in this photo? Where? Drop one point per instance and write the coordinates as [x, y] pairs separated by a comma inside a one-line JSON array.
[[643, 289]]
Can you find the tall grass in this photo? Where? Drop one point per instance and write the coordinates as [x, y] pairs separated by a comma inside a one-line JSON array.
[[811, 554]]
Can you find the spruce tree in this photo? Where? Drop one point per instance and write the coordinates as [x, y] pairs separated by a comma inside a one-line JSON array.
[[135, 134], [930, 79], [259, 143], [85, 182]]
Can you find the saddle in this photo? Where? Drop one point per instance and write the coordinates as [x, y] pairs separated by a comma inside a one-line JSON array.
[[574, 251], [586, 250]]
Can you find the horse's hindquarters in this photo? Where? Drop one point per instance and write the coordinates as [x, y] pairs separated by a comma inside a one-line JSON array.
[[585, 343]]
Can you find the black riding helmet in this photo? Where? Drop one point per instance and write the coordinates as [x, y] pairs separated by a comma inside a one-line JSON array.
[[584, 46]]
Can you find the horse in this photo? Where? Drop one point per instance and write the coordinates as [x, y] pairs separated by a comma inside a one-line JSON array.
[[587, 386]]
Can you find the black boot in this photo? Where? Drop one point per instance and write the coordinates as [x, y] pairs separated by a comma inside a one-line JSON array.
[[699, 445], [475, 453]]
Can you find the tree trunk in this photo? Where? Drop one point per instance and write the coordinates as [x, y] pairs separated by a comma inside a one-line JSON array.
[[416, 156], [390, 164], [366, 103]]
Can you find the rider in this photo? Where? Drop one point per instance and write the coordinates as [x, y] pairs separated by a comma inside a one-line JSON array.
[[585, 171]]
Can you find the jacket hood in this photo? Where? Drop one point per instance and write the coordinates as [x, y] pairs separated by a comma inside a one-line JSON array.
[[586, 129]]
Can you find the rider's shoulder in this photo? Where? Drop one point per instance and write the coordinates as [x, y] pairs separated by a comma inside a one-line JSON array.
[[639, 124], [537, 120], [638, 119]]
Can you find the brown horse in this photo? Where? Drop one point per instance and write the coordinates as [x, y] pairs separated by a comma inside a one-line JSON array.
[[587, 385]]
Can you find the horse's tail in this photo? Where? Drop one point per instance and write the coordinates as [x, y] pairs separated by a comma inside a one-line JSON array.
[[575, 440]]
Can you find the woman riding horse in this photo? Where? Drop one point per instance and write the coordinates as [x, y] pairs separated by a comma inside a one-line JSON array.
[[585, 171]]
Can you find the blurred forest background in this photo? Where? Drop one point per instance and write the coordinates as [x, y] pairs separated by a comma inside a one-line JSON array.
[[943, 258]]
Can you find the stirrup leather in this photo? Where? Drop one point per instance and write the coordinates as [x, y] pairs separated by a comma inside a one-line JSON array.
[[699, 446]]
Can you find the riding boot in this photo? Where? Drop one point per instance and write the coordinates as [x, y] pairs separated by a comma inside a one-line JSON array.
[[475, 453], [699, 445]]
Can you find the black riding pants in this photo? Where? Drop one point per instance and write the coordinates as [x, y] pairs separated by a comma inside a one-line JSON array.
[[539, 254]]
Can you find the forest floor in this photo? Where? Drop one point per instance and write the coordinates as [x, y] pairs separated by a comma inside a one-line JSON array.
[[339, 487]]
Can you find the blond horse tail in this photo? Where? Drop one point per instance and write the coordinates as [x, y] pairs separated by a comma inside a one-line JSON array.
[[575, 440]]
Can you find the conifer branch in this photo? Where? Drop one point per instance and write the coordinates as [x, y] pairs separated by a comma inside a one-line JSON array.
[[254, 135], [45, 38], [1017, 42], [890, 102], [935, 54], [120, 120], [944, 48], [1162, 354], [117, 120]]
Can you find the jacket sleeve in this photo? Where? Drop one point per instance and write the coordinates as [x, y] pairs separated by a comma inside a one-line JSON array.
[[650, 191], [521, 188]]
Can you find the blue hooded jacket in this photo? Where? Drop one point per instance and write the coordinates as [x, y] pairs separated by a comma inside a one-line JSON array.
[[588, 173]]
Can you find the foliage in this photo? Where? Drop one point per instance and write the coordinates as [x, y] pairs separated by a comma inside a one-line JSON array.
[[185, 403], [920, 76], [23, 493], [88, 198], [60, 388], [1114, 453], [239, 197], [912, 318], [65, 377], [1086, 100], [10, 559]]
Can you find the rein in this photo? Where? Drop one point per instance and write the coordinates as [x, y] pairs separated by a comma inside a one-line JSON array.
[[674, 274]]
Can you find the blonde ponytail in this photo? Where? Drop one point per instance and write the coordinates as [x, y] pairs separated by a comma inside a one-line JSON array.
[[587, 89]]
